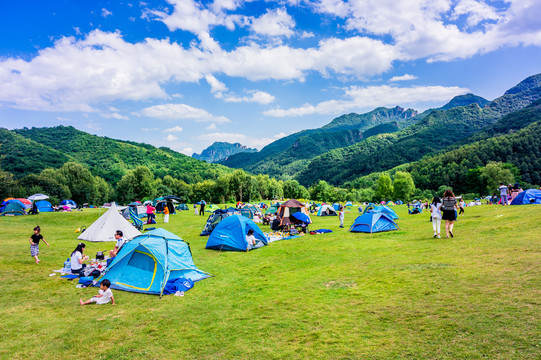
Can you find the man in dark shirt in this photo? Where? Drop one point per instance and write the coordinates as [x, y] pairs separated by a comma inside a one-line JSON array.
[[275, 223]]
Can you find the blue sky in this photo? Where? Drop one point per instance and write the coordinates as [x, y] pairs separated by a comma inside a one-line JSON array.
[[183, 74]]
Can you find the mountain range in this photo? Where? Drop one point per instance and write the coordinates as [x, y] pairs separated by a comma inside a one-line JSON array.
[[437, 146], [351, 147], [221, 150]]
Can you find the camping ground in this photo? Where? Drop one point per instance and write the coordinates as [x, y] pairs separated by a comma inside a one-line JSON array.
[[395, 295]]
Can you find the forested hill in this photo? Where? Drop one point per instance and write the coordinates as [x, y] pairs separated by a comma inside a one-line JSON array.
[[514, 139], [435, 132], [283, 158], [32, 150], [221, 150], [465, 100]]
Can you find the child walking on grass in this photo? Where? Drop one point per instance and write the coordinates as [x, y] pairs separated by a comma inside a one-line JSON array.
[[105, 295], [34, 243]]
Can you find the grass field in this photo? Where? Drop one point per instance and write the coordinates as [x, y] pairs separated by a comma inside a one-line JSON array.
[[394, 295]]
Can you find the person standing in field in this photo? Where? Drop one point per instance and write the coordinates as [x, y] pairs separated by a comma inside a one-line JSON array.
[[150, 213], [503, 193], [341, 215], [449, 211], [34, 243], [166, 214], [435, 210], [461, 205]]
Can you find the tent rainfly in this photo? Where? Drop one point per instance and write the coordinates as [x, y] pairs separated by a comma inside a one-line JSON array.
[[105, 227]]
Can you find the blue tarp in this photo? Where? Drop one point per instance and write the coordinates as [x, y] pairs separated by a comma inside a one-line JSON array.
[[230, 234], [147, 262], [44, 206], [372, 222], [530, 196]]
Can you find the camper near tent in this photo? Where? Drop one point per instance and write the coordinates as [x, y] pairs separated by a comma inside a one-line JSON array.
[[149, 261], [104, 228], [230, 234], [530, 196], [326, 210]]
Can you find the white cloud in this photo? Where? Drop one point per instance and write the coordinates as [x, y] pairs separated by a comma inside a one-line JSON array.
[[371, 97], [211, 127], [171, 138], [174, 129], [216, 86], [114, 115], [105, 12], [306, 35], [404, 77], [180, 111], [260, 97], [186, 151], [275, 22]]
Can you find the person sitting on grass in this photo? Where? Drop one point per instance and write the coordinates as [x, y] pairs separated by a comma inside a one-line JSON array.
[[120, 241], [77, 259], [105, 295]]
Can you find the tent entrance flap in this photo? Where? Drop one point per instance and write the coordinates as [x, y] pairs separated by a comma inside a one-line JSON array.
[[136, 272]]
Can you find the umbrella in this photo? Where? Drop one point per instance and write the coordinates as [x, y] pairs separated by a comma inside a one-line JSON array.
[[172, 197], [37, 197], [301, 217]]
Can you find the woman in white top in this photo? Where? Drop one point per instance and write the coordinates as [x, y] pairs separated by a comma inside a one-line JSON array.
[[77, 259], [435, 209]]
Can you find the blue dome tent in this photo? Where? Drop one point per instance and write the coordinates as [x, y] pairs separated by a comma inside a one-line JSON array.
[[69, 203], [147, 262], [230, 234], [215, 218], [12, 208], [382, 209], [44, 206], [372, 222], [530, 196]]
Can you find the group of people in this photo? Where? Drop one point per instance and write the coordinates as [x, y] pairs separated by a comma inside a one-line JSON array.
[[77, 263], [508, 193], [446, 209]]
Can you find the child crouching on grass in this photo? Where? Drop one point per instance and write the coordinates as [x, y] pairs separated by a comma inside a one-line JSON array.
[[104, 296]]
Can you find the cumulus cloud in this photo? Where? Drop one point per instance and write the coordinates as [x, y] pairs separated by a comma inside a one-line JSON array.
[[371, 97], [275, 22], [171, 138], [179, 112], [260, 97], [403, 78], [174, 129]]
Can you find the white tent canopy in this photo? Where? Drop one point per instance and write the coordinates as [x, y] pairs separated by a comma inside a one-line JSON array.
[[105, 227]]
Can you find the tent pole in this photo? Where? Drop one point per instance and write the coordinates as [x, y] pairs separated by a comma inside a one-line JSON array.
[[166, 275]]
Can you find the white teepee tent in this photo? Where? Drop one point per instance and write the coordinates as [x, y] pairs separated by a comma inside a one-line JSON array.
[[105, 227]]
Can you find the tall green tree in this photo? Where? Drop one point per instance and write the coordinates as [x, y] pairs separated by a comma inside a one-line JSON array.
[[494, 173], [384, 187], [403, 185]]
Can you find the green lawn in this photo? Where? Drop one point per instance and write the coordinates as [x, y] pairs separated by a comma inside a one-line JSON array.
[[394, 295]]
